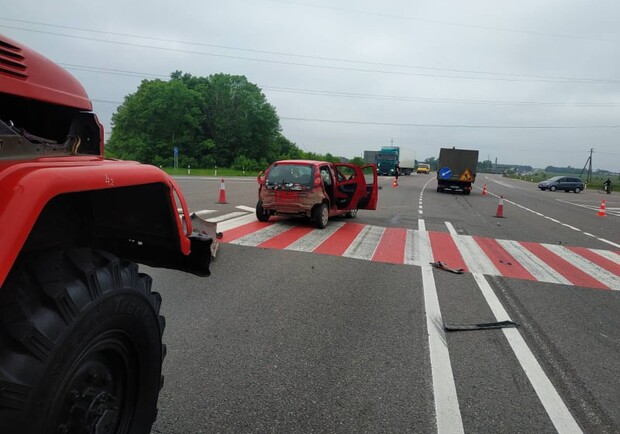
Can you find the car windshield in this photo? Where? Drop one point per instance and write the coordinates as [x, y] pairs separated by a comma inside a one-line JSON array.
[[289, 176], [555, 178]]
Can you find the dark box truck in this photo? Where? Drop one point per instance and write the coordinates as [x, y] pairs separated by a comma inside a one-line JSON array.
[[456, 169]]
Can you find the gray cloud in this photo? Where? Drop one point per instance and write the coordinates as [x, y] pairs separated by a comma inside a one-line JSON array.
[[402, 64]]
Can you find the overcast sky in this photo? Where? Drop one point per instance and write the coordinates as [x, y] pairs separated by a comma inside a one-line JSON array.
[[527, 82]]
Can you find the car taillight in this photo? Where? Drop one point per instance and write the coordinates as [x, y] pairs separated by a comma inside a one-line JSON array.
[[317, 179]]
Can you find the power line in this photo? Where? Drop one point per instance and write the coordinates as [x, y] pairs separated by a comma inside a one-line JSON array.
[[396, 124], [340, 94], [288, 54], [498, 76], [448, 23]]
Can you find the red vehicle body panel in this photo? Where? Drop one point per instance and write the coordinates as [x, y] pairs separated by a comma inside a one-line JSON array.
[[45, 100], [28, 74], [27, 186]]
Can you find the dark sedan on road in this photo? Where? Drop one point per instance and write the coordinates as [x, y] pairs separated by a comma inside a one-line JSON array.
[[565, 183]]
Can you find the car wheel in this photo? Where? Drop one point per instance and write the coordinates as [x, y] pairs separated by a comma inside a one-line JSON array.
[[86, 330], [261, 214], [552, 188], [577, 189], [351, 214], [321, 215]]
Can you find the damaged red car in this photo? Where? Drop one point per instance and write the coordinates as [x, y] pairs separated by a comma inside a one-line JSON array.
[[318, 190]]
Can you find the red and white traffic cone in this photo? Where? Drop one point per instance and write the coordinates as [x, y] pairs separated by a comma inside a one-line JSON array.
[[484, 190], [601, 211], [500, 208], [222, 192], [395, 182]]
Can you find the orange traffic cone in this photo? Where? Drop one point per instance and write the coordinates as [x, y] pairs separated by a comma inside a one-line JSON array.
[[601, 211], [500, 208], [222, 192], [484, 190], [395, 182]]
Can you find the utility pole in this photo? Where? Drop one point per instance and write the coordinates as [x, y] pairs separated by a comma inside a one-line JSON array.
[[589, 164], [590, 167]]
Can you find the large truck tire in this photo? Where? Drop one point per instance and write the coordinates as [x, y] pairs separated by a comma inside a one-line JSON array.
[[80, 345]]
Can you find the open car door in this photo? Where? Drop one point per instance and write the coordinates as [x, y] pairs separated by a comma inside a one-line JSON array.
[[356, 188]]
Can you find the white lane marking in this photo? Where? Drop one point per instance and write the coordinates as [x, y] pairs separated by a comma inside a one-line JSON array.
[[532, 263], [611, 243], [365, 244], [571, 227], [315, 238], [424, 251], [246, 208], [411, 245], [447, 411], [451, 229], [262, 235], [500, 183], [236, 222], [228, 216], [472, 253], [559, 414], [605, 277], [608, 254]]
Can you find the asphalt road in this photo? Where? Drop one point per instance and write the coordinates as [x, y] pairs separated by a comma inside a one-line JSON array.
[[285, 338]]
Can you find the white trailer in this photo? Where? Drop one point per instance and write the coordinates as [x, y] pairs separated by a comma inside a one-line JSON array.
[[407, 161]]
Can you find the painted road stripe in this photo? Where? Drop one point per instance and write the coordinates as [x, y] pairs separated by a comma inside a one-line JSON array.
[[422, 250], [600, 276], [608, 254], [365, 244], [506, 264], [235, 223], [559, 414], [286, 238], [257, 237], [530, 261], [229, 216], [447, 412], [391, 246], [246, 208], [445, 250], [474, 256], [337, 244], [569, 271], [538, 268], [233, 234], [410, 247], [315, 238]]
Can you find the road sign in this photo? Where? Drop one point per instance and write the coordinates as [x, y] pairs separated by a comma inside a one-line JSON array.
[[445, 172]]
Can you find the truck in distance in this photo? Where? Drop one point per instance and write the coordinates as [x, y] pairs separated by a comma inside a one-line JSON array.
[[387, 159], [456, 169]]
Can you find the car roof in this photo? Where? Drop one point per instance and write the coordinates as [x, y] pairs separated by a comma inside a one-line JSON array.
[[305, 162]]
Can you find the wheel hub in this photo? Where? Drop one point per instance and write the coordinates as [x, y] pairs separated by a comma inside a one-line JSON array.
[[92, 406]]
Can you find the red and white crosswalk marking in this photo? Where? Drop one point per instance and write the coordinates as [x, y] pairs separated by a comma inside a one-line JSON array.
[[550, 263]]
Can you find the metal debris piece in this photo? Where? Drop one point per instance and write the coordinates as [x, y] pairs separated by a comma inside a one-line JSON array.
[[481, 326], [444, 266]]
